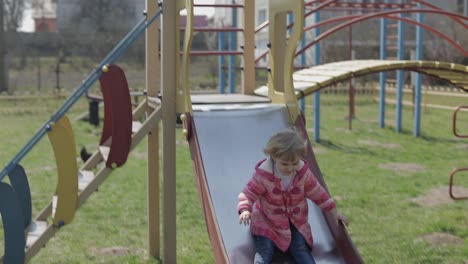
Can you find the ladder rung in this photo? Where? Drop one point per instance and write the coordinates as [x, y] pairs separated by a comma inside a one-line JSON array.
[[35, 230], [104, 150], [84, 178], [136, 125]]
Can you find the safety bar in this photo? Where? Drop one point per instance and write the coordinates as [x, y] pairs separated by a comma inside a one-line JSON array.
[[455, 121], [452, 174]]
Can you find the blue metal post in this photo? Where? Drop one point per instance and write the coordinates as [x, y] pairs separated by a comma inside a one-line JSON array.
[[418, 79], [221, 73], [400, 74], [317, 94], [382, 75], [233, 47]]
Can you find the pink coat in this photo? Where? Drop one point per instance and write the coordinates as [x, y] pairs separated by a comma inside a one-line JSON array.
[[272, 208]]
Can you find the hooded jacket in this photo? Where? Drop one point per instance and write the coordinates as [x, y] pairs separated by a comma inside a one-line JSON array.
[[273, 209]]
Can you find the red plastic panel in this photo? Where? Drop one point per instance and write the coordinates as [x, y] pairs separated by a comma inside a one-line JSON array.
[[117, 115]]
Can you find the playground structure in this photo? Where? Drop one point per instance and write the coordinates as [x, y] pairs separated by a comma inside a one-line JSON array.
[[275, 105]]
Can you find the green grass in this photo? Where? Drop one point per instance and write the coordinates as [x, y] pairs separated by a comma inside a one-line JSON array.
[[385, 224]]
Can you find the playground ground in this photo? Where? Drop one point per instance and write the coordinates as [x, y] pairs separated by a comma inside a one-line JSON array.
[[392, 186]]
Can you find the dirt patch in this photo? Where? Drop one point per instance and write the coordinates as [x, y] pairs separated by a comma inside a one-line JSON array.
[[462, 146], [344, 130], [319, 150], [115, 251], [439, 196], [402, 167], [378, 144], [442, 239]]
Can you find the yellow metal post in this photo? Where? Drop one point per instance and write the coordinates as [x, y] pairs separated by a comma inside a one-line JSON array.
[[169, 59], [152, 87]]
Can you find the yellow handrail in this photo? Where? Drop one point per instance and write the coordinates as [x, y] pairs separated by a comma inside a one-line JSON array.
[[184, 102], [63, 143]]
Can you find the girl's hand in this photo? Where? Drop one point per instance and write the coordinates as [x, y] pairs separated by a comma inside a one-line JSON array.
[[339, 217], [342, 218], [244, 218]]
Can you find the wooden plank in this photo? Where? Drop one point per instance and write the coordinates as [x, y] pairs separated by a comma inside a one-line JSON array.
[[227, 99], [84, 178], [169, 55], [153, 79]]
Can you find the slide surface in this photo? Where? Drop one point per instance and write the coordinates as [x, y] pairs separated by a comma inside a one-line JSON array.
[[228, 141]]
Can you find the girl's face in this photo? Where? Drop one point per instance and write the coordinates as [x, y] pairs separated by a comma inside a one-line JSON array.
[[286, 166]]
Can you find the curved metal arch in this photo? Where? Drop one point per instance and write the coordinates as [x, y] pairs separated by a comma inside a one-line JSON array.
[[313, 79], [424, 3], [378, 15], [409, 21]]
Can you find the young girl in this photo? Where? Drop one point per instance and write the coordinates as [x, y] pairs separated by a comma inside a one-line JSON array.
[[274, 200]]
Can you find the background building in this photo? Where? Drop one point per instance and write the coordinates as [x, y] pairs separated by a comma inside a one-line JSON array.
[[44, 14]]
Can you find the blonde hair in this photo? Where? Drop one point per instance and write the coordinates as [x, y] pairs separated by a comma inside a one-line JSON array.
[[287, 145]]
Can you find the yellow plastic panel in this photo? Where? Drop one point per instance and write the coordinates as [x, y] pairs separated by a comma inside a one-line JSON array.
[[184, 88], [278, 10], [63, 143]]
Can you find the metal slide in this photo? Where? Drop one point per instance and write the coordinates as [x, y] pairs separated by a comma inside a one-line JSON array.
[[226, 142]]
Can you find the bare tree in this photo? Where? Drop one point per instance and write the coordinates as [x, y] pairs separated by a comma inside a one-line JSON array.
[[14, 11], [96, 23], [11, 16]]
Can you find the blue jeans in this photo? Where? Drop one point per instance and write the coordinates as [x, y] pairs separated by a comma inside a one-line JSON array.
[[298, 249]]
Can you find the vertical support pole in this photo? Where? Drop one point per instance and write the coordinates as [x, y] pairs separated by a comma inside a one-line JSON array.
[[382, 75], [278, 46], [465, 8], [317, 94], [400, 74], [418, 77], [303, 64], [351, 81], [290, 22], [248, 71], [152, 86], [221, 61], [233, 47], [169, 56]]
